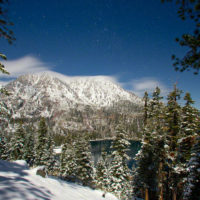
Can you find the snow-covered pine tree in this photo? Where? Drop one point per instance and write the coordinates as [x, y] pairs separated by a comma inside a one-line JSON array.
[[84, 167], [148, 176], [63, 161], [156, 121], [143, 157], [68, 160], [71, 160], [49, 157], [29, 145], [17, 142], [5, 115], [119, 173], [120, 178], [41, 143], [172, 120], [145, 173], [101, 172], [190, 118], [191, 189], [4, 151], [189, 128]]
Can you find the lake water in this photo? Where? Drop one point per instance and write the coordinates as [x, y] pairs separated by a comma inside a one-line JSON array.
[[104, 145]]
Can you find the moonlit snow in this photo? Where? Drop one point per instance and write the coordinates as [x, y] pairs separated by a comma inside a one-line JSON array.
[[17, 182]]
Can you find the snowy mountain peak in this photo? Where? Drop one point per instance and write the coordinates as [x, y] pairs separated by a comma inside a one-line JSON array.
[[98, 91], [78, 103]]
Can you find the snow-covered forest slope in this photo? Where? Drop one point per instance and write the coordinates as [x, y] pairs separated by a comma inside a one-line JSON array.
[[95, 104], [17, 182]]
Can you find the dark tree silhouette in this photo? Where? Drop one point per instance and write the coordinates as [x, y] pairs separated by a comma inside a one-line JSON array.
[[188, 9], [5, 31]]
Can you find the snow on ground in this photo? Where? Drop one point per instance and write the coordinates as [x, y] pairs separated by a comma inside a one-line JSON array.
[[17, 182]]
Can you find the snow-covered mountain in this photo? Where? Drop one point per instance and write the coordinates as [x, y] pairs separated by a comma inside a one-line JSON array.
[[61, 98]]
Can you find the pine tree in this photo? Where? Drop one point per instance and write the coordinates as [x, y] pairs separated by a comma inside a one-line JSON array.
[[145, 173], [173, 119], [49, 158], [120, 178], [17, 143], [157, 115], [191, 190], [168, 138], [119, 173], [41, 143], [84, 167], [63, 161], [148, 176], [141, 179], [4, 150], [101, 173], [68, 160], [188, 129], [190, 118], [29, 146]]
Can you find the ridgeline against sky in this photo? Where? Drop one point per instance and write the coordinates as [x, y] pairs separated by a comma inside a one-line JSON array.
[[130, 40]]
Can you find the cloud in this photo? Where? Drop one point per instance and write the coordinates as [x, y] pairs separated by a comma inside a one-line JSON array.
[[30, 64], [139, 86], [97, 77], [24, 65]]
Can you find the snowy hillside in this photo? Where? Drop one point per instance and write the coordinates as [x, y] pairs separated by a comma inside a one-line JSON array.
[[78, 103], [17, 182], [98, 91]]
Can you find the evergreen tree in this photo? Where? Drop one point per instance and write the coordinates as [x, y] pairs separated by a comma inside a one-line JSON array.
[[84, 167], [63, 161], [49, 158], [101, 173], [17, 143], [190, 118], [41, 143], [168, 138], [173, 112], [191, 190], [173, 119], [145, 173], [188, 129], [148, 177], [157, 115], [68, 160], [4, 151], [29, 146], [120, 178], [119, 173]]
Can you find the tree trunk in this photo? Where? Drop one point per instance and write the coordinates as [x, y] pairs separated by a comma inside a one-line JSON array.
[[161, 193], [160, 183], [174, 194], [146, 194]]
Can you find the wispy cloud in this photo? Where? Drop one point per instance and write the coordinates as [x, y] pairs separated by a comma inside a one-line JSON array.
[[30, 64], [139, 86], [24, 65], [99, 77]]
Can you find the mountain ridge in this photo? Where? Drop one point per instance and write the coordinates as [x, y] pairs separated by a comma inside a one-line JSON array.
[[70, 103]]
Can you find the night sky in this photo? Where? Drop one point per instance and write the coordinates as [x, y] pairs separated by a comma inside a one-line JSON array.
[[130, 40]]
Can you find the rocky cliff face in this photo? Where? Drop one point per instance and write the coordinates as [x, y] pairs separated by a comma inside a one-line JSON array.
[[94, 104]]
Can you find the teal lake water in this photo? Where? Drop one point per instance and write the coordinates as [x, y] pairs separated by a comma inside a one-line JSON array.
[[104, 145]]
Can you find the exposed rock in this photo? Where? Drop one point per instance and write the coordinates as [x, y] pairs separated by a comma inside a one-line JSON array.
[[41, 171]]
